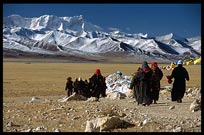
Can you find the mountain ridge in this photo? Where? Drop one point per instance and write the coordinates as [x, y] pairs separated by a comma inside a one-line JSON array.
[[49, 34]]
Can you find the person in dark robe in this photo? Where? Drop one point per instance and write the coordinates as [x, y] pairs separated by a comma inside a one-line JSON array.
[[135, 85], [180, 75], [144, 77], [69, 86], [156, 77], [81, 87], [87, 92], [98, 84], [76, 83]]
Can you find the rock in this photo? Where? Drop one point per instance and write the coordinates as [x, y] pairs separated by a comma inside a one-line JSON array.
[[57, 130], [171, 107], [189, 90], [140, 124], [132, 101], [178, 129], [92, 99], [198, 124], [75, 117], [182, 122], [9, 111], [10, 124], [165, 92], [125, 109], [116, 95], [74, 96], [195, 105], [39, 128], [121, 114], [145, 122], [168, 127], [62, 99], [47, 100], [35, 99], [28, 130], [103, 124], [91, 126]]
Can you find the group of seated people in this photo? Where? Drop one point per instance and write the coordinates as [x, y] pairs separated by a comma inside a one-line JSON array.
[[95, 87]]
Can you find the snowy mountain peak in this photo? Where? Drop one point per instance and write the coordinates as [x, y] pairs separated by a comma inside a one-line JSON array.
[[164, 37], [14, 20], [73, 35], [169, 37], [50, 22]]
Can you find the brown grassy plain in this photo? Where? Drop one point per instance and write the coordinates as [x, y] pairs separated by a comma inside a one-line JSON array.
[[42, 79]]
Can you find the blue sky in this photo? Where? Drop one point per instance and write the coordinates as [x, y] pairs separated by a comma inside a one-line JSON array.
[[154, 19]]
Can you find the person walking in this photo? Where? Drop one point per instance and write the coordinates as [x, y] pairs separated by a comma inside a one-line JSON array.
[[145, 83], [144, 77], [180, 75], [69, 86], [135, 85], [156, 77]]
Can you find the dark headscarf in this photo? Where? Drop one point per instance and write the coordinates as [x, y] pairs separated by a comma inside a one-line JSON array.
[[144, 65]]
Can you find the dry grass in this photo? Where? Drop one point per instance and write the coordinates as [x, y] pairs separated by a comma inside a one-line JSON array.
[[22, 79]]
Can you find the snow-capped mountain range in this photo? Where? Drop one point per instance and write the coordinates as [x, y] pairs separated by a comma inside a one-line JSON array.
[[52, 35]]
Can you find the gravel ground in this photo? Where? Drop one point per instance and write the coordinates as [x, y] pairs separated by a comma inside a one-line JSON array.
[[47, 114]]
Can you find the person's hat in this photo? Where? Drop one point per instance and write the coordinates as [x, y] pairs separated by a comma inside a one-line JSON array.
[[97, 71], [180, 62], [154, 64]]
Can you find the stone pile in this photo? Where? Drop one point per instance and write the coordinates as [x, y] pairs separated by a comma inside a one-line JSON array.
[[118, 82]]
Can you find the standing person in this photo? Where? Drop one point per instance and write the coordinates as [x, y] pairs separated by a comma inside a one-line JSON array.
[[76, 85], [144, 76], [180, 75], [87, 91], [135, 85], [103, 90], [145, 83], [98, 84], [81, 86], [156, 77], [69, 86]]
